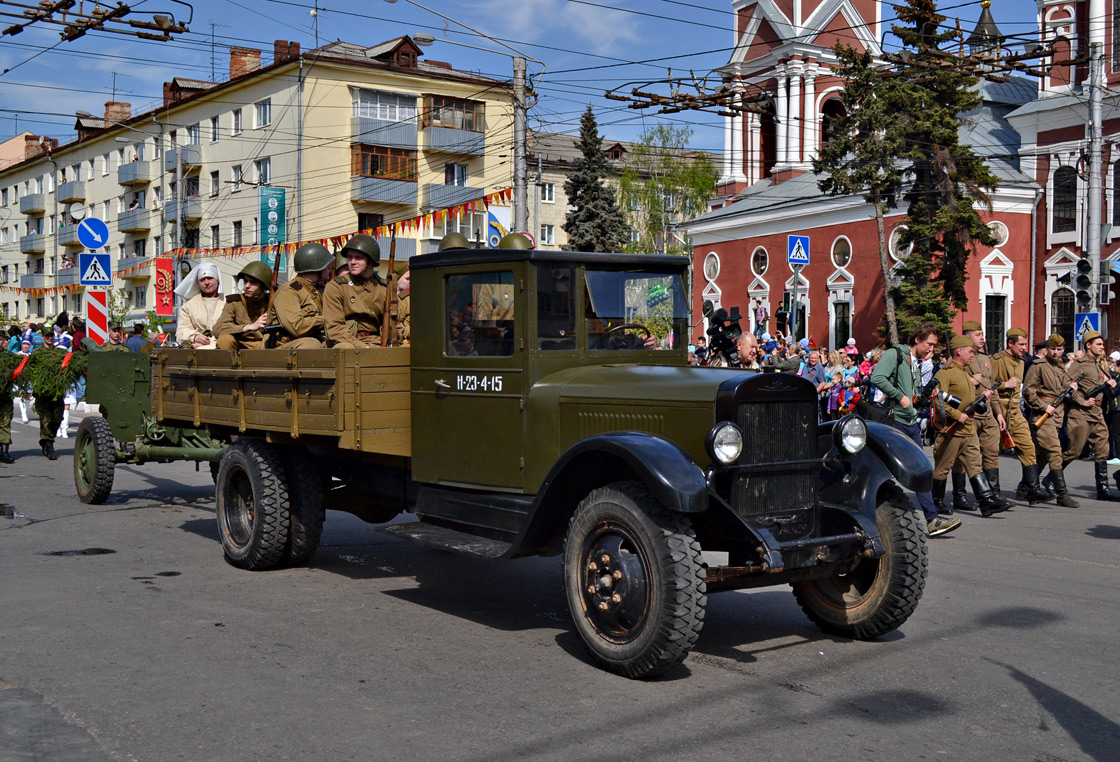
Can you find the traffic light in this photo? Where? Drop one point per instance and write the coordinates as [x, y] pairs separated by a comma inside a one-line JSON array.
[[1107, 279], [1083, 283]]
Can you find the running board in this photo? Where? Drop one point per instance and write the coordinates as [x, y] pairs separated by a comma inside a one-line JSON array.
[[448, 539]]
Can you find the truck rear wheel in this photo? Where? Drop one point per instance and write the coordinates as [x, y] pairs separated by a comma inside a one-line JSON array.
[[634, 581], [252, 506], [306, 488], [95, 460], [878, 594]]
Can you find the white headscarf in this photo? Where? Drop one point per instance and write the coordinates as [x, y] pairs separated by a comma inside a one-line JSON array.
[[189, 286]]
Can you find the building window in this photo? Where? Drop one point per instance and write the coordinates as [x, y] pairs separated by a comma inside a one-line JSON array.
[[263, 110], [841, 253], [548, 235], [213, 129], [194, 135], [548, 193], [140, 296], [139, 248], [377, 161], [215, 183], [1062, 314], [995, 320], [157, 244], [1065, 200], [842, 312], [236, 127], [191, 237], [760, 261], [635, 236], [832, 111], [615, 154], [440, 111], [237, 233], [367, 221], [105, 164], [215, 236], [455, 174], [264, 170], [379, 105], [236, 177]]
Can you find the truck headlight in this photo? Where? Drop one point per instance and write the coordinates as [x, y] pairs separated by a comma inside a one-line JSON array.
[[725, 442], [851, 434]]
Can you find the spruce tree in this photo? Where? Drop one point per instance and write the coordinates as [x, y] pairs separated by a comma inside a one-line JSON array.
[[595, 223]]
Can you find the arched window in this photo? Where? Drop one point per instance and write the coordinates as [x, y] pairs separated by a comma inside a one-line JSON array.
[[1064, 215], [831, 112], [1061, 314], [760, 260], [841, 253]]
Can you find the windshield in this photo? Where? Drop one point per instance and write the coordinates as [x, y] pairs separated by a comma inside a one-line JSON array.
[[635, 310]]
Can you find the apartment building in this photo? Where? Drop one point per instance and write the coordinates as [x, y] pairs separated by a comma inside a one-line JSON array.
[[340, 138]]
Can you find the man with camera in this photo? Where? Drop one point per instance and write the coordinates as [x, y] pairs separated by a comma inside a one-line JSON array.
[[1007, 375]]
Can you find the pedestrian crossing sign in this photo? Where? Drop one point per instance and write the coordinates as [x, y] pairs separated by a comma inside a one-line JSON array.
[[1085, 322], [93, 269], [797, 249]]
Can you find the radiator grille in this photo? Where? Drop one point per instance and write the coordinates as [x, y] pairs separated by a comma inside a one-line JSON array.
[[775, 433]]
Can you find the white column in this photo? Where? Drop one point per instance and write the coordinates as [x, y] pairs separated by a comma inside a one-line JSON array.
[[782, 115], [793, 129], [811, 115], [728, 128], [754, 169], [737, 175]]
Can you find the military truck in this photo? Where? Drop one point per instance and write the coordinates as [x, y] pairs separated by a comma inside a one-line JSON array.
[[533, 414]]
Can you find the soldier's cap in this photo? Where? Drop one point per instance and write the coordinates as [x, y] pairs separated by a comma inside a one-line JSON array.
[[1055, 340], [115, 324], [1040, 346], [972, 325], [1090, 335], [960, 342], [1013, 333]]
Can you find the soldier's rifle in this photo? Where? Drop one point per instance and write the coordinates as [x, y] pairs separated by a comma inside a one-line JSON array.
[[1059, 400], [968, 410], [388, 316]]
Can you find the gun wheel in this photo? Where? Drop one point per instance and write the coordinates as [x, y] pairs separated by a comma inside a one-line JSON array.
[[252, 506], [634, 581], [95, 460]]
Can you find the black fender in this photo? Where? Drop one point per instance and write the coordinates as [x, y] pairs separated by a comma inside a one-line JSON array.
[[907, 462], [666, 470]]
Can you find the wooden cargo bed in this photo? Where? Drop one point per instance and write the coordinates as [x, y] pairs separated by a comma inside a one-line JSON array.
[[357, 397]]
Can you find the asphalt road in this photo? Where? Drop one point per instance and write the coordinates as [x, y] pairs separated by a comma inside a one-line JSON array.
[[384, 650]]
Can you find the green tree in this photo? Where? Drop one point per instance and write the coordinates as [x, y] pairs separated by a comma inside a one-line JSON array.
[[594, 222], [664, 184], [118, 305]]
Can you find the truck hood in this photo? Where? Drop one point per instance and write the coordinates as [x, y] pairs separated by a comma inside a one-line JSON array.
[[638, 384]]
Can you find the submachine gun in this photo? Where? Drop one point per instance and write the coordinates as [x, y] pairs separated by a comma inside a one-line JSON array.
[[1063, 397]]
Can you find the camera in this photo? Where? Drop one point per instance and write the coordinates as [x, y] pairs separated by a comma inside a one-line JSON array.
[[722, 333]]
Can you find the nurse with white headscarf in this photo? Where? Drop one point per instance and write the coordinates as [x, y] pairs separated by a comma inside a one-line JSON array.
[[201, 291]]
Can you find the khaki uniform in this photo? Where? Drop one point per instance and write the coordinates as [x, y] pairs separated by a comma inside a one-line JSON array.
[[1004, 368], [107, 347], [404, 320], [1085, 422], [239, 312], [352, 311], [494, 302], [198, 316], [1044, 382], [987, 427], [961, 446], [298, 307]]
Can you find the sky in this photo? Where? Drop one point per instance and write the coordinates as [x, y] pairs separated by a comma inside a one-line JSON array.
[[586, 46]]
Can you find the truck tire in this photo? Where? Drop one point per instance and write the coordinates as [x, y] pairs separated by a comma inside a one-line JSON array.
[[306, 487], [95, 460], [252, 506], [879, 594], [634, 581]]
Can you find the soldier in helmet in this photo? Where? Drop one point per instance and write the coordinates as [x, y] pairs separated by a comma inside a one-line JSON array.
[[515, 241], [245, 314], [354, 302], [297, 307], [454, 241]]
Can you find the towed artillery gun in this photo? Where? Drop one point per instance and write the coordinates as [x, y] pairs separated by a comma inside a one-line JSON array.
[[551, 427]]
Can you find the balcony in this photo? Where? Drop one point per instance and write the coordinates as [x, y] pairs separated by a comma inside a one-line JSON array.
[[35, 243], [36, 203], [442, 196], [139, 219], [380, 189], [381, 132], [192, 205], [192, 158], [68, 236], [35, 280], [135, 173], [127, 263], [68, 277], [455, 140], [72, 191]]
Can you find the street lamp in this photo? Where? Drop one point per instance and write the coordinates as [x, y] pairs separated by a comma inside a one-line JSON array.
[[520, 131]]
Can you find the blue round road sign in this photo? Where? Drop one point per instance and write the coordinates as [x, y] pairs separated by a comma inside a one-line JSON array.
[[93, 233]]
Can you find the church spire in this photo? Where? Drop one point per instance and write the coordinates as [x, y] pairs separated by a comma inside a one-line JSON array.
[[986, 37]]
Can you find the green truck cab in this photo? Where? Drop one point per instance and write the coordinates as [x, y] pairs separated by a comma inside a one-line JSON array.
[[535, 414]]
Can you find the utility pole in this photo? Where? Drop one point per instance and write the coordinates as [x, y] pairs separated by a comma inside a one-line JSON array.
[[520, 170], [1093, 206], [537, 199]]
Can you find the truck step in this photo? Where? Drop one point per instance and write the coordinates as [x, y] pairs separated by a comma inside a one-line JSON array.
[[448, 539]]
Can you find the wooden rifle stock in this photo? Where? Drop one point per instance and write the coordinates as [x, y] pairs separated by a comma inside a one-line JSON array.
[[387, 318], [1059, 400], [952, 427]]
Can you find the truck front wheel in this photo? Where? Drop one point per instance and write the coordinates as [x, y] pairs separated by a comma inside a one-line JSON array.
[[95, 460], [634, 581], [252, 506], [878, 594]]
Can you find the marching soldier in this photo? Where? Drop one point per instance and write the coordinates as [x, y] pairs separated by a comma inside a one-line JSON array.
[[297, 307], [1007, 374], [961, 445], [1045, 381], [354, 302], [245, 314], [989, 422], [1086, 419]]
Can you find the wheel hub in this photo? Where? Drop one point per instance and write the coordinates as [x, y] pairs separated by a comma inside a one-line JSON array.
[[615, 589]]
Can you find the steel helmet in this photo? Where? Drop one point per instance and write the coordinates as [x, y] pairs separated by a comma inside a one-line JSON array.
[[258, 271], [515, 241], [454, 241], [364, 244], [311, 258]]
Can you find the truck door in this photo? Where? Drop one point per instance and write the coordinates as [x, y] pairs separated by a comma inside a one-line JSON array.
[[467, 420]]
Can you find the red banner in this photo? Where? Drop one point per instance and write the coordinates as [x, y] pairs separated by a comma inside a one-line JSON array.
[[165, 286]]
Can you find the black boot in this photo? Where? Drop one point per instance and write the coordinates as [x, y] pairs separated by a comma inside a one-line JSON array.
[[939, 496], [1058, 479], [1047, 484], [5, 455], [1029, 488], [48, 449], [1104, 492], [987, 500], [993, 479], [960, 493]]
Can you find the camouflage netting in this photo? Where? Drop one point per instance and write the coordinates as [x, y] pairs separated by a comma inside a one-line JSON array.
[[9, 361], [46, 375]]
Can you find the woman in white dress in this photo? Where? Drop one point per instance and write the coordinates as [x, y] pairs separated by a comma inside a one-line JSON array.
[[203, 301]]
